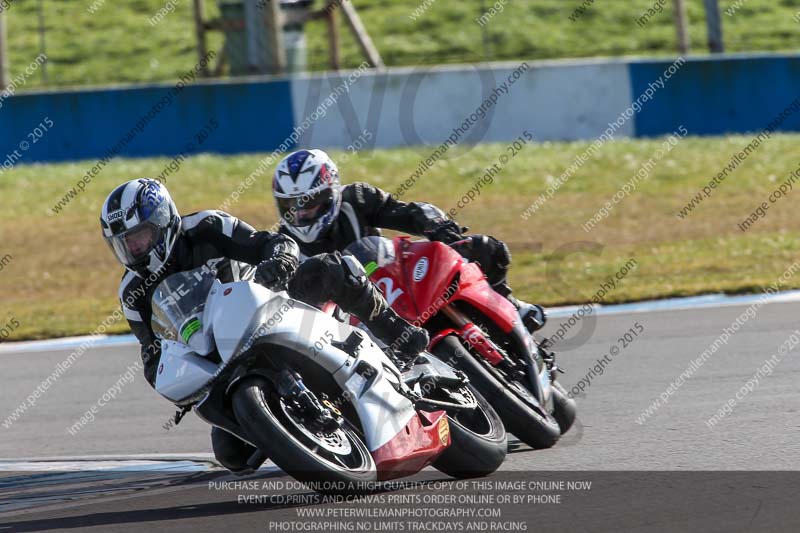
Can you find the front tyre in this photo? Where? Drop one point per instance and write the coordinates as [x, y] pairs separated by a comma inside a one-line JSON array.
[[332, 462], [535, 429], [564, 408], [478, 440]]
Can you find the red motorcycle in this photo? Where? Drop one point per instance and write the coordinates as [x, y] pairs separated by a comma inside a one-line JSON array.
[[474, 329]]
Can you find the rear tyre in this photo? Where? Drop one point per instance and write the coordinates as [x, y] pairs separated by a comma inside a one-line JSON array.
[[478, 441], [565, 409], [533, 428], [334, 462]]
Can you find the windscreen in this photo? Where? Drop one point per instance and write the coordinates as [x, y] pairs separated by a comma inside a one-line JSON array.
[[372, 252], [178, 303]]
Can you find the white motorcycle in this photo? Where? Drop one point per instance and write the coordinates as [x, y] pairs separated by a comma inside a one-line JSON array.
[[312, 393]]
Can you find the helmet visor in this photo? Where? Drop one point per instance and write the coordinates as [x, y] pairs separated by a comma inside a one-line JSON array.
[[305, 210], [133, 246]]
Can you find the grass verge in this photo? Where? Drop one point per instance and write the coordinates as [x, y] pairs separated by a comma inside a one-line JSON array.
[[101, 42], [58, 278]]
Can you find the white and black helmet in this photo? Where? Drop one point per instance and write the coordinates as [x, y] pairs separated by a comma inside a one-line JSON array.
[[308, 193], [140, 224]]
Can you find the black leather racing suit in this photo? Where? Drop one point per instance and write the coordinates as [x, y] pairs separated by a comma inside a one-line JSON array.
[[203, 237], [233, 246]]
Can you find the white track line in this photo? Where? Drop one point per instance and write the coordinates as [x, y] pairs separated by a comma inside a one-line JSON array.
[[649, 306], [153, 462], [187, 462], [680, 304]]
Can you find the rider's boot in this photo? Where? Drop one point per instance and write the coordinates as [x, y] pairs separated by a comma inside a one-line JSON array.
[[369, 305], [404, 339], [342, 279]]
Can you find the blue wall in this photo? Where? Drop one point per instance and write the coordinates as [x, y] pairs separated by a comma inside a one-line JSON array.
[[86, 124], [713, 96], [554, 100]]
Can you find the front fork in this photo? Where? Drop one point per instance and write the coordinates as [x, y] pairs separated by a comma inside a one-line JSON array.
[[495, 355], [291, 387], [549, 358]]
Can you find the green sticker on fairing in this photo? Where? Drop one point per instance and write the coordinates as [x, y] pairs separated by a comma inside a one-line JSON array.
[[371, 267], [189, 329]]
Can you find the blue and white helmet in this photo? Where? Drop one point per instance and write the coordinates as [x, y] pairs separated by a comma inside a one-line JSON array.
[[140, 224], [308, 193]]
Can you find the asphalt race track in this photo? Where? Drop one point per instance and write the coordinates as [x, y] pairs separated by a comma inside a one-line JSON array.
[[608, 447]]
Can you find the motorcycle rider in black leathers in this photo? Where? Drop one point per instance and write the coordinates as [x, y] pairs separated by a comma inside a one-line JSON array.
[[325, 217], [142, 227]]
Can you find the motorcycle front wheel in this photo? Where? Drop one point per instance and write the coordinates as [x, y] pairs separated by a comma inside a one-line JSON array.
[[565, 410], [535, 429], [331, 462]]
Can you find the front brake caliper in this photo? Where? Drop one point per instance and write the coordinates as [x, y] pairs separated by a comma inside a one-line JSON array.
[[549, 358], [291, 386]]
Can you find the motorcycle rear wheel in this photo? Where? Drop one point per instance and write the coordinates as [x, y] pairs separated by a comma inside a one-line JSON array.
[[478, 441]]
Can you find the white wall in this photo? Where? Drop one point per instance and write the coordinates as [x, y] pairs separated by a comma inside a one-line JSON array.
[[422, 106]]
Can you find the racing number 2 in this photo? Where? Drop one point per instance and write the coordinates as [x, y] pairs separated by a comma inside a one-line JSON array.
[[387, 287]]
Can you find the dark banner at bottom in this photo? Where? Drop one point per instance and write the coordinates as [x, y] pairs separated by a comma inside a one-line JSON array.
[[507, 501]]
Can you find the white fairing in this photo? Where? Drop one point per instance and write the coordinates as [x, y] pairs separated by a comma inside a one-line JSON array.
[[383, 412], [237, 314], [181, 372]]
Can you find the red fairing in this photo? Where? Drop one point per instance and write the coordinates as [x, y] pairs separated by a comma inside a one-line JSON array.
[[430, 268], [414, 447], [414, 285], [390, 280], [475, 290]]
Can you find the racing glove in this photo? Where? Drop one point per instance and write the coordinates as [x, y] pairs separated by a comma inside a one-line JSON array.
[[275, 272], [446, 231]]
